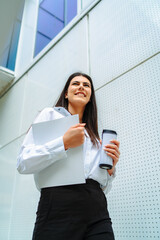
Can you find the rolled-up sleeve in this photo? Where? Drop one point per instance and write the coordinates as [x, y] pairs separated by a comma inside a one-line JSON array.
[[34, 158]]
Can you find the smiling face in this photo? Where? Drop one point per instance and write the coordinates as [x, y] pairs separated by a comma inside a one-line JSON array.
[[79, 92]]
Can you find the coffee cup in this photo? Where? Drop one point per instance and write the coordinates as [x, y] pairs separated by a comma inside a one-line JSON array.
[[106, 161]]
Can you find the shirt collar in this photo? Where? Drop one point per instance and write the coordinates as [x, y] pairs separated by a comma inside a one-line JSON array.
[[62, 110]]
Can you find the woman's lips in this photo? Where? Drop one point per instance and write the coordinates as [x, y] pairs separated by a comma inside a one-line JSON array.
[[80, 93]]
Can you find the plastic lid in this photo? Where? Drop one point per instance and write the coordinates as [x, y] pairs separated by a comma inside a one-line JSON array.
[[109, 131]]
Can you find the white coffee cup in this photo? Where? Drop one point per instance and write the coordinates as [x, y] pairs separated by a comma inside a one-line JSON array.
[[106, 161]]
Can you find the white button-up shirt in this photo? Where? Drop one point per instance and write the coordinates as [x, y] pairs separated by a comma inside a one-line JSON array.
[[34, 158]]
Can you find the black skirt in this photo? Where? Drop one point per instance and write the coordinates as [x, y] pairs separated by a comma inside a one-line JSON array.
[[73, 212]]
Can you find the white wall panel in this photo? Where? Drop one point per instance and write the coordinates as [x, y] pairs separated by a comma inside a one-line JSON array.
[[122, 34], [7, 176], [11, 105], [19, 197], [130, 105], [47, 78], [24, 206]]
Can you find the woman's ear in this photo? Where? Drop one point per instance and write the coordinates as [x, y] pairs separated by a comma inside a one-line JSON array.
[[66, 95]]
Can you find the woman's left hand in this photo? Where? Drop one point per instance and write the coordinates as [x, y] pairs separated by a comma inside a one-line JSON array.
[[112, 150]]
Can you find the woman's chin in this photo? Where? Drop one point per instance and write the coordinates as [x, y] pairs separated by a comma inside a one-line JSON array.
[[79, 103]]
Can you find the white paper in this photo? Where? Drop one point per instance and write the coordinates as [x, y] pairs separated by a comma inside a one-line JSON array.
[[66, 171]]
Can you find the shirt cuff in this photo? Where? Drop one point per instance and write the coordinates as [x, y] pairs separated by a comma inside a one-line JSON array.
[[57, 145], [111, 177]]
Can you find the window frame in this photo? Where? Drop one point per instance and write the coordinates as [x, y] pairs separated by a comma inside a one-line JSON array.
[[80, 14]]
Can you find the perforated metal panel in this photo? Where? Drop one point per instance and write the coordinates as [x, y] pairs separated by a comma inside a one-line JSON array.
[[123, 33], [131, 106]]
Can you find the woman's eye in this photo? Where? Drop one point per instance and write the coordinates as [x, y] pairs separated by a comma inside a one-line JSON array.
[[85, 85]]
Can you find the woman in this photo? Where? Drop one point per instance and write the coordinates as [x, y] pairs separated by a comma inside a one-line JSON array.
[[75, 211]]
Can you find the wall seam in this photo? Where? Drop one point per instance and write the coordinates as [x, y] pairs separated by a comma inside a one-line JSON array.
[[23, 103], [12, 140], [122, 74]]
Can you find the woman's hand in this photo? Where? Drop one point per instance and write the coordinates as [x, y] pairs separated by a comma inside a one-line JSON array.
[[74, 137], [112, 150]]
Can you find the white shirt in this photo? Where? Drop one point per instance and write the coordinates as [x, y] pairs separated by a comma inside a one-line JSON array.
[[34, 158]]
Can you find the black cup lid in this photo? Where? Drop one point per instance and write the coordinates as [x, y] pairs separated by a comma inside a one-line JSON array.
[[109, 131]]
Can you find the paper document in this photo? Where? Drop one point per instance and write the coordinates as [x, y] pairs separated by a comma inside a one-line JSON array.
[[64, 171]]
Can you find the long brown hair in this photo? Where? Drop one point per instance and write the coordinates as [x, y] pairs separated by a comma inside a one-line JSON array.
[[90, 112]]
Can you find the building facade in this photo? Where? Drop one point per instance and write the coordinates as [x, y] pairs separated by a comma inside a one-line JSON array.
[[118, 44]]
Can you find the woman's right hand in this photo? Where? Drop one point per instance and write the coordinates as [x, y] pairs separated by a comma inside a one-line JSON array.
[[74, 137]]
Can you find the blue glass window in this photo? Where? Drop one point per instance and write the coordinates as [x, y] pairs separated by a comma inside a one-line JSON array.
[[13, 46], [10, 53], [71, 9], [53, 16]]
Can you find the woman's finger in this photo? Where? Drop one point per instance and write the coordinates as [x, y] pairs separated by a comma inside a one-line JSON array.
[[112, 146], [115, 141], [115, 159], [113, 151], [79, 125]]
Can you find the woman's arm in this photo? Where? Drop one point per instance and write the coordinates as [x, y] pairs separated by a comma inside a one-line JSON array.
[[34, 158]]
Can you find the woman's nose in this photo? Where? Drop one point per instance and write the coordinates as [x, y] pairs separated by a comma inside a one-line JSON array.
[[81, 86]]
